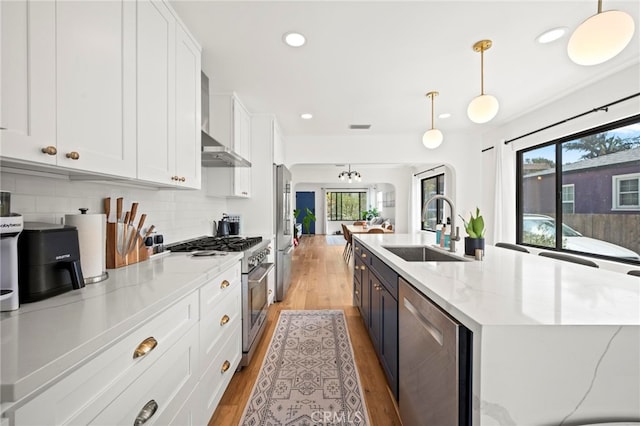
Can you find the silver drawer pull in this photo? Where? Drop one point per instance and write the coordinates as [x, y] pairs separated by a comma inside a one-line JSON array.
[[225, 366], [146, 413], [145, 347], [224, 320], [224, 284]]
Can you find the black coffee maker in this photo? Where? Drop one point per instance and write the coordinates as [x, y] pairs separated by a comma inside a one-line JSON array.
[[48, 261]]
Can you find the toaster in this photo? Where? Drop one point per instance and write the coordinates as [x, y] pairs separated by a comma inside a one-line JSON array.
[[48, 261]]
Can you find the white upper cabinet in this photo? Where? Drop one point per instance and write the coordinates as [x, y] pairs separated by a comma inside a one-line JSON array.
[[156, 92], [231, 126], [28, 101], [102, 87], [188, 110]]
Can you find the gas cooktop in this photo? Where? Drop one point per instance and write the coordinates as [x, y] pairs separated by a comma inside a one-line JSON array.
[[231, 243]]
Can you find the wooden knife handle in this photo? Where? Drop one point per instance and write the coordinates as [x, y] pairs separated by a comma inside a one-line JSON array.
[[107, 207], [134, 210], [119, 208]]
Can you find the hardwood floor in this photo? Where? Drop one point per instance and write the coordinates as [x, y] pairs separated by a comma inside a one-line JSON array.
[[320, 280]]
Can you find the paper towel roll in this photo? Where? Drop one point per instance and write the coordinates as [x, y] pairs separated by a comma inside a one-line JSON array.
[[92, 234]]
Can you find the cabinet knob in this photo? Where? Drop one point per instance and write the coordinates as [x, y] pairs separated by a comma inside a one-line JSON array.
[[224, 284], [50, 150], [363, 268], [146, 413], [270, 291], [225, 366], [363, 255], [357, 248], [145, 347], [224, 320], [73, 155], [356, 292], [183, 179]]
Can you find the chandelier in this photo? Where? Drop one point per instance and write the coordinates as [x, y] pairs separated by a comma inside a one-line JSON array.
[[349, 175]]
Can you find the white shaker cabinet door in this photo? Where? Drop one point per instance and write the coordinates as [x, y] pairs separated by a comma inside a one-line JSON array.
[[28, 101], [96, 86], [156, 92], [188, 111]]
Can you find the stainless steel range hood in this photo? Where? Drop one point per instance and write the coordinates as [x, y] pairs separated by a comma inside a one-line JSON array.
[[215, 154]]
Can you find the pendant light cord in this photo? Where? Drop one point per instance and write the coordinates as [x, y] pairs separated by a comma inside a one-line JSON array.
[[599, 6], [432, 96], [482, 71]]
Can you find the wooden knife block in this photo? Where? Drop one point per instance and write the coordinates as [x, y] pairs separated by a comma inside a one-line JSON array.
[[115, 259]]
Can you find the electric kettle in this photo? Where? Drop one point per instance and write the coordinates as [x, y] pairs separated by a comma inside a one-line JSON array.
[[222, 226]]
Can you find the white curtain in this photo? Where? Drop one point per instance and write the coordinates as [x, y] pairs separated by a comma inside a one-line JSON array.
[[504, 227]]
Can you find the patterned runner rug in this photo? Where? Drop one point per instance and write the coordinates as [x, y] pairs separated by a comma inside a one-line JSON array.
[[308, 376]]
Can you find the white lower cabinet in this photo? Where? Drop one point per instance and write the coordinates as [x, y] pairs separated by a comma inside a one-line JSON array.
[[220, 336], [170, 369]]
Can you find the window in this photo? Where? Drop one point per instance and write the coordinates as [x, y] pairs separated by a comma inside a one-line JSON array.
[[626, 190], [581, 193], [568, 198], [430, 187], [346, 205]]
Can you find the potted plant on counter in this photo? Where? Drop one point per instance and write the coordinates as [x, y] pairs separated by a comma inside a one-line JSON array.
[[475, 229]]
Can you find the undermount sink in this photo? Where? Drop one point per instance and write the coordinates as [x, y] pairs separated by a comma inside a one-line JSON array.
[[423, 254]]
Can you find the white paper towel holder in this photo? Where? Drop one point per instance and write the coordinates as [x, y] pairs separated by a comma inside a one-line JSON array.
[[104, 274]]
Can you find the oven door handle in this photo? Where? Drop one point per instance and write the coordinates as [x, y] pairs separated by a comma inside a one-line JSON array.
[[265, 269]]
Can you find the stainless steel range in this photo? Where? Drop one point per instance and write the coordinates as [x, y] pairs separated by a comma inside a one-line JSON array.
[[255, 272]]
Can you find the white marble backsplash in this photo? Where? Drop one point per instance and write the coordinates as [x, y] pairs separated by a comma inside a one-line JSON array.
[[177, 214]]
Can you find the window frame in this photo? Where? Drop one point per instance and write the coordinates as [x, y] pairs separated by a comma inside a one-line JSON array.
[[615, 199], [439, 179], [360, 208], [635, 119], [573, 198]]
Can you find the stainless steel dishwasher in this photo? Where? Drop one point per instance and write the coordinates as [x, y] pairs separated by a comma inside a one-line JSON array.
[[434, 363]]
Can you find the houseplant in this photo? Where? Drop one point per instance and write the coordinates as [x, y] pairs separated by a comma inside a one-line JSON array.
[[475, 229], [371, 213], [306, 220]]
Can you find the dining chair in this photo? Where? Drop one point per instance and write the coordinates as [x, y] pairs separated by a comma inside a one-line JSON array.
[[634, 272], [359, 223], [512, 247], [375, 231], [568, 258], [346, 253], [390, 227]]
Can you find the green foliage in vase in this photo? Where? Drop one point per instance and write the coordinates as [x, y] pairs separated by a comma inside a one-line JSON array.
[[475, 225]]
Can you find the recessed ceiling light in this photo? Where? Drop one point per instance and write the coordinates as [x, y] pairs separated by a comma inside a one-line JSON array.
[[294, 39], [306, 116], [551, 35], [444, 115]]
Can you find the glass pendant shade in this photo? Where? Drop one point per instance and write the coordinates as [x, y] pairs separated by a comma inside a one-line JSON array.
[[432, 138], [600, 37], [483, 108]]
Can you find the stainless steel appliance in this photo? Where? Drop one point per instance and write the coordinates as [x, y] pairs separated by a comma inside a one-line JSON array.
[[11, 225], [215, 154], [255, 286], [48, 261], [434, 363], [284, 230]]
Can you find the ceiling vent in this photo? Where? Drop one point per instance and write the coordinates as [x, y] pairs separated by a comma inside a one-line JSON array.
[[360, 126]]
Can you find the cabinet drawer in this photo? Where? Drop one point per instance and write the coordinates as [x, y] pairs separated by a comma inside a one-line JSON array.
[[388, 277], [216, 379], [217, 325], [218, 286], [89, 389], [166, 385]]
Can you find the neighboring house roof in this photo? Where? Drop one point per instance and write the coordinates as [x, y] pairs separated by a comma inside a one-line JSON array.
[[615, 159]]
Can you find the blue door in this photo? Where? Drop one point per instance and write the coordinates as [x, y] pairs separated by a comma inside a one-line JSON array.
[[304, 200]]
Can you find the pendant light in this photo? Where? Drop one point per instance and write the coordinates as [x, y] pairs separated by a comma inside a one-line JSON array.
[[600, 37], [350, 175], [432, 138], [484, 107]]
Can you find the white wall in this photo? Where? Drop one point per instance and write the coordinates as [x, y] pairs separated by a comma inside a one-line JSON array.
[[459, 151], [400, 177], [622, 84], [177, 214]]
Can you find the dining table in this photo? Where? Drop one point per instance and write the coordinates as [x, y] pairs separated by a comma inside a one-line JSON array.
[[360, 229]]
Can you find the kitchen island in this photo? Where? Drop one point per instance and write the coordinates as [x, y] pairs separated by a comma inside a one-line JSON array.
[[72, 353], [553, 342]]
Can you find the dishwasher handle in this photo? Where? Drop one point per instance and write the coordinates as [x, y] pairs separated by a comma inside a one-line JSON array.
[[425, 323]]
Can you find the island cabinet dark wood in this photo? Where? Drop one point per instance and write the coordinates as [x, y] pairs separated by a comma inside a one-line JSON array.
[[377, 284]]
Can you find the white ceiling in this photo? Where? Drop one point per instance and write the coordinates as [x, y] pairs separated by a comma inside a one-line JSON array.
[[373, 62]]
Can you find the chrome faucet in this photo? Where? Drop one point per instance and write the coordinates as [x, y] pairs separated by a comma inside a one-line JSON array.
[[453, 238]]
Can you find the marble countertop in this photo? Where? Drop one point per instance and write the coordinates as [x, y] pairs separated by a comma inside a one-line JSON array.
[[513, 288], [42, 340]]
